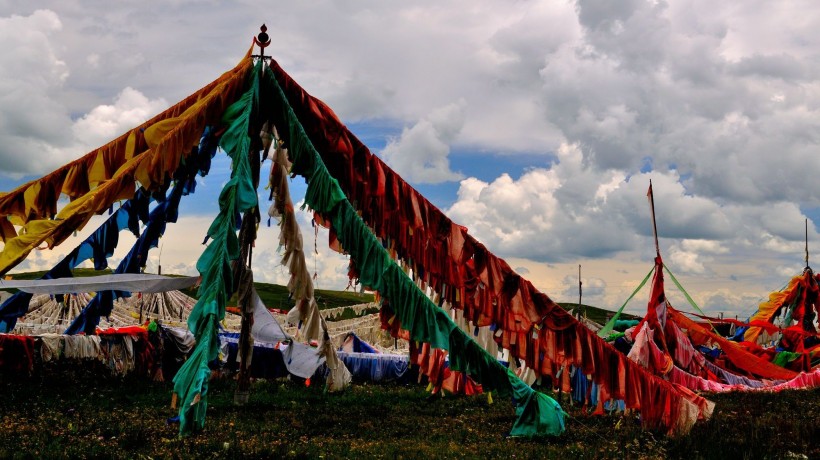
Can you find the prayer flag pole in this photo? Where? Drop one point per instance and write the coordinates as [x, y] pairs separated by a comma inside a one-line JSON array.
[[243, 275], [579, 290], [807, 242], [654, 224]]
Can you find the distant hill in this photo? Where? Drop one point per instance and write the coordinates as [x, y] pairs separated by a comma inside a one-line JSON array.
[[599, 315], [273, 295], [276, 296]]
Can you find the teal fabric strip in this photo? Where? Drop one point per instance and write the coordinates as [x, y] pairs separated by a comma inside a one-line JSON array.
[[688, 297], [607, 329], [685, 294], [214, 265]]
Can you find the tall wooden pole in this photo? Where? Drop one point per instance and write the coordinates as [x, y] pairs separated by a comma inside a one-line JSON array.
[[807, 242], [654, 224], [243, 275], [579, 289]]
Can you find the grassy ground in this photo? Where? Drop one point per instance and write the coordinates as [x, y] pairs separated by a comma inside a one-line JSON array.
[[76, 413]]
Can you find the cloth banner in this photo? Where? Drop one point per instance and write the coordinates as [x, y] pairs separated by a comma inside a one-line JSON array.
[[301, 359], [133, 282]]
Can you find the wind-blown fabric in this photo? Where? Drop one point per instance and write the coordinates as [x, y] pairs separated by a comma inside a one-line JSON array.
[[537, 413], [166, 211], [300, 359], [110, 173], [97, 247], [126, 282], [695, 357], [466, 274], [237, 196], [800, 296], [741, 358]]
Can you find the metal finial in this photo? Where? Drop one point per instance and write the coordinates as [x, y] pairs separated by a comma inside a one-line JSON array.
[[262, 40]]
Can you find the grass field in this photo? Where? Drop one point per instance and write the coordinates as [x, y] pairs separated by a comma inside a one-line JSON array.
[[68, 413]]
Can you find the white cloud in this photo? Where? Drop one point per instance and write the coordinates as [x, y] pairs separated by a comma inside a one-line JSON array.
[[686, 261], [37, 127], [420, 154], [30, 74], [105, 122], [547, 214]]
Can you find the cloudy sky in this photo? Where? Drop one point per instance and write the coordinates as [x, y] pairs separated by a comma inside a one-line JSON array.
[[536, 124]]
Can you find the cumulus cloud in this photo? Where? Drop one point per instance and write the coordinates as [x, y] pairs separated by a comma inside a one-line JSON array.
[[571, 211], [686, 261], [38, 130], [592, 289], [420, 154], [648, 78], [546, 214], [30, 74], [105, 122]]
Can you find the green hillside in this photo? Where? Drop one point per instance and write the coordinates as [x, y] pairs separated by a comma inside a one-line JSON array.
[[276, 296], [599, 315], [78, 272], [273, 295]]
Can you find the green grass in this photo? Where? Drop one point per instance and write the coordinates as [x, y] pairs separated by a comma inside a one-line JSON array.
[[68, 412]]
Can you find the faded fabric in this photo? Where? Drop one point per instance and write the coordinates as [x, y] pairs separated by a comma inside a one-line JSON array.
[[305, 314], [300, 359], [140, 282]]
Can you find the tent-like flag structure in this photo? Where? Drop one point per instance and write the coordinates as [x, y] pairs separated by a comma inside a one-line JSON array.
[[693, 355], [797, 308], [388, 228]]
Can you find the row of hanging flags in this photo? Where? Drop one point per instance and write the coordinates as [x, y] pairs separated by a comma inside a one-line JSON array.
[[388, 229]]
